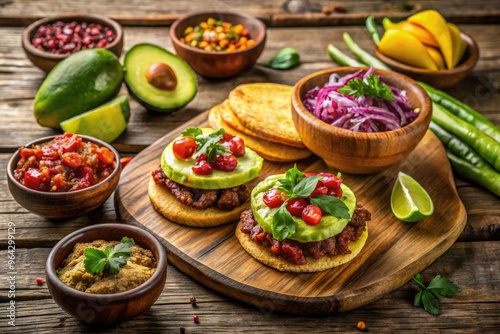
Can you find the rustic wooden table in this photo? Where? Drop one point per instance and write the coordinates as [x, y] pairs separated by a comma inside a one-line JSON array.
[[472, 262]]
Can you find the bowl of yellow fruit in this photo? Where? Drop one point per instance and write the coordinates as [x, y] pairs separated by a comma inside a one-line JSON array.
[[427, 48]]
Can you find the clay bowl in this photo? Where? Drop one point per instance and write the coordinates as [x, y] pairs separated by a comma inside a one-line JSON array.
[[106, 309], [218, 64], [46, 60], [360, 152], [443, 78], [62, 205]]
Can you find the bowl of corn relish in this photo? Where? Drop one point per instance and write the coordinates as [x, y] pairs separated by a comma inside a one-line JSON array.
[[218, 44]]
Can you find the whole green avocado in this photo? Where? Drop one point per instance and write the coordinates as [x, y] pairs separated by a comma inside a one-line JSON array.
[[81, 82]]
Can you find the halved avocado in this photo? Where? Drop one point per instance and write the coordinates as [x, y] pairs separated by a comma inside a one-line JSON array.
[[159, 79]]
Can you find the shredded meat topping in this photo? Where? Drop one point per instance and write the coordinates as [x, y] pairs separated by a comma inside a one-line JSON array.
[[296, 252], [223, 199]]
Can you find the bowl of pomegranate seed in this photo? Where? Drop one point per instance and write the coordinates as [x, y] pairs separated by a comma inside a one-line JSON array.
[[48, 41]]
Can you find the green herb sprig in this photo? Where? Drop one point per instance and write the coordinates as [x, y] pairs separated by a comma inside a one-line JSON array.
[[296, 185], [111, 259], [369, 86], [285, 59], [208, 144], [430, 296]]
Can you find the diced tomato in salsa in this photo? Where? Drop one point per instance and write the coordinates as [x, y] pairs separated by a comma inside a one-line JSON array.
[[65, 163]]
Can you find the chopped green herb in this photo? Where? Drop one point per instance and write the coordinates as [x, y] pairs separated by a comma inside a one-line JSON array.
[[369, 86], [207, 144], [111, 259], [430, 296], [296, 185]]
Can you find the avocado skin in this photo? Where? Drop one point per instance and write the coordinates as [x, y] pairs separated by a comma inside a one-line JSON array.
[[79, 83], [136, 63]]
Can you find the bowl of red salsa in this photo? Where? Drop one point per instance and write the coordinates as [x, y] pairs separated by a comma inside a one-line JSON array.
[[63, 176]]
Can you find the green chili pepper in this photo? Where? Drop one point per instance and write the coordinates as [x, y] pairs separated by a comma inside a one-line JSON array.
[[485, 176], [457, 147], [341, 58], [362, 55], [285, 59], [483, 144], [463, 111], [372, 29]]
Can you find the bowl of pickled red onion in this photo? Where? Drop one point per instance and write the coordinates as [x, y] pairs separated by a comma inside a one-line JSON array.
[[356, 133]]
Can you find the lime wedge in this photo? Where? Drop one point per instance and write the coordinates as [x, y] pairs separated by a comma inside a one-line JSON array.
[[409, 200], [105, 122]]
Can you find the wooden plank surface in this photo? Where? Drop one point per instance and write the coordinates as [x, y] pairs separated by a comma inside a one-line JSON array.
[[290, 13], [472, 262], [477, 275], [20, 80]]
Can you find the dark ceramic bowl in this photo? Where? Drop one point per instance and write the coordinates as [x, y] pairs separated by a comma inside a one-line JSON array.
[[61, 205], [46, 60], [360, 152], [213, 64], [443, 78], [106, 309]]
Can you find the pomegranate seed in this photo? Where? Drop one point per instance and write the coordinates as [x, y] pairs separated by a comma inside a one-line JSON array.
[[182, 330], [102, 43], [63, 38], [196, 319], [193, 301], [39, 280]]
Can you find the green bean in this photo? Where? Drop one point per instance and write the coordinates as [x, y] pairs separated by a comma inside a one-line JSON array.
[[341, 58], [485, 176], [362, 55], [463, 111], [457, 147], [372, 29], [483, 144]]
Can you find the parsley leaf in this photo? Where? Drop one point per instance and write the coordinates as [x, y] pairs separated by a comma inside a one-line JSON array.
[[429, 296], [208, 144], [369, 86], [192, 132], [111, 259]]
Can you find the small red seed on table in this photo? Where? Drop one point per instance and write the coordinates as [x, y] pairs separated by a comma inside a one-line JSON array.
[[39, 280], [193, 301], [196, 319], [182, 330]]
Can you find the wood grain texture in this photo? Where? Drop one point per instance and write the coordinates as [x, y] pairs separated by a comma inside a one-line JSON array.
[[394, 252], [471, 265], [19, 81], [273, 12]]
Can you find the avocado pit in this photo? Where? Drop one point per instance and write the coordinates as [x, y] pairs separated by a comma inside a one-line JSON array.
[[161, 76]]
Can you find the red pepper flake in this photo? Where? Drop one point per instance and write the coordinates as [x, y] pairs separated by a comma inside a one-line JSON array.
[[39, 280], [196, 319], [361, 326]]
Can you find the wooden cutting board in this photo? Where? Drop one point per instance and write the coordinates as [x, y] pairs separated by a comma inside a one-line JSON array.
[[395, 251]]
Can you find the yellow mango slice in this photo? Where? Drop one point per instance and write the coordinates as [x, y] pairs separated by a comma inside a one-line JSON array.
[[459, 45], [422, 34], [402, 46], [436, 57], [435, 23]]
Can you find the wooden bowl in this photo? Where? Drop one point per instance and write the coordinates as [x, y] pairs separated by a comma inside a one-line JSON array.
[[62, 205], [360, 152], [106, 309], [443, 78], [46, 60], [213, 64]]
